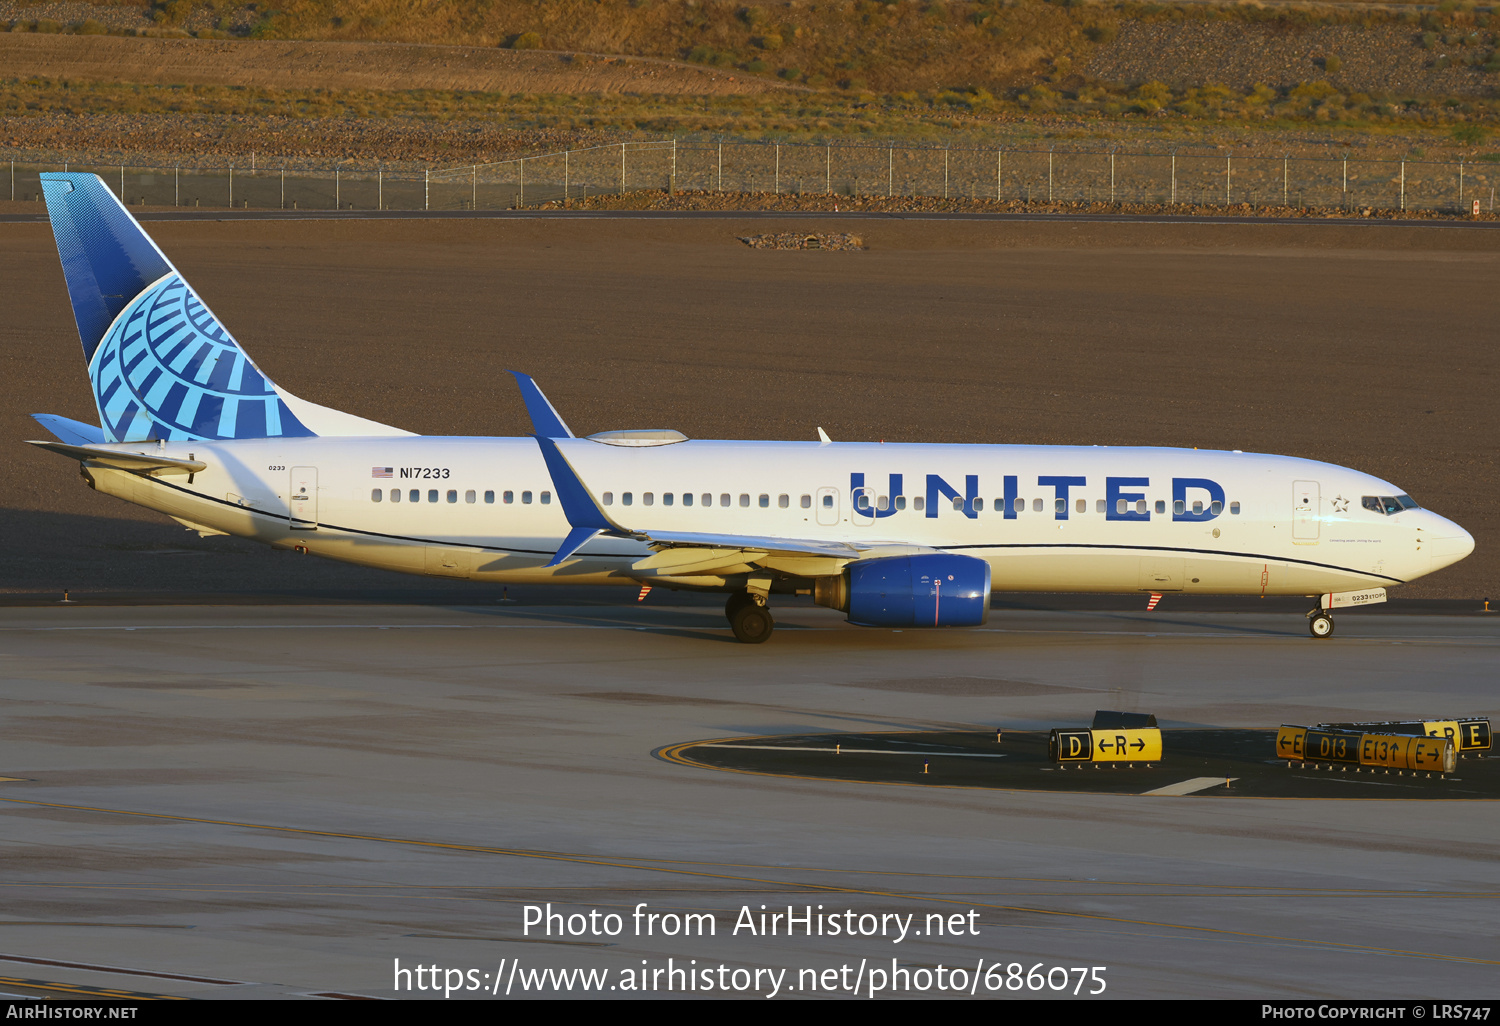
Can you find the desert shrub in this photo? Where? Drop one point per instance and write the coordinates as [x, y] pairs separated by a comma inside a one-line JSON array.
[[525, 41], [770, 41], [1429, 40], [753, 16], [45, 25], [1102, 34], [1153, 96], [1442, 62], [756, 65], [1469, 135], [90, 27], [702, 54], [790, 74], [1332, 64]]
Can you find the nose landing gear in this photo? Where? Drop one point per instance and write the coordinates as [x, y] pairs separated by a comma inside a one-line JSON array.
[[1320, 623], [749, 617]]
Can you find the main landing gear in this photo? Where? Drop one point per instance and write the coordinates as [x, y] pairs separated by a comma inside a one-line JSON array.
[[1320, 623], [748, 617]]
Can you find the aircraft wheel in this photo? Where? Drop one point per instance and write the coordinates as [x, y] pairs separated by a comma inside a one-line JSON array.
[[1321, 625], [752, 623], [737, 601]]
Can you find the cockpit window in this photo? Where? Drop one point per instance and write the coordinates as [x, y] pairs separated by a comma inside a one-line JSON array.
[[1389, 505]]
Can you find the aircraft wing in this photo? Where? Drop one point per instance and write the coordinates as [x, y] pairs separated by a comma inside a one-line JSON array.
[[136, 462], [691, 553]]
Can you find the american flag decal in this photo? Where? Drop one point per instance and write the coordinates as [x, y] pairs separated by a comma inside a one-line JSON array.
[[381, 471]]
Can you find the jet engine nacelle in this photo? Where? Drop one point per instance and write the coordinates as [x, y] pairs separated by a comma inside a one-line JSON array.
[[929, 590]]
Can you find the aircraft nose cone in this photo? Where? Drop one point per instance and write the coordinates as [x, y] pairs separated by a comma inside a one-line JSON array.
[[1451, 544]]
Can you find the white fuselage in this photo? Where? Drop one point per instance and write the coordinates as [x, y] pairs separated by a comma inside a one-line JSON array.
[[485, 508]]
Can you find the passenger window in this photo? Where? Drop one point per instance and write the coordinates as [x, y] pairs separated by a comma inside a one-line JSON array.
[[395, 495], [1036, 505], [1140, 506], [452, 494], [1059, 505], [609, 498], [376, 495], [900, 502], [1018, 504], [918, 503], [828, 502], [708, 500], [525, 498], [1198, 508], [687, 498], [744, 501], [648, 499], [1161, 505], [509, 497], [958, 503], [666, 498], [489, 497], [627, 498], [432, 495], [1179, 507], [1216, 507], [469, 496], [765, 502], [1082, 505], [1120, 505], [783, 500], [724, 499], [1234, 509], [978, 505], [862, 502], [1100, 506], [546, 498], [807, 502], [415, 495]]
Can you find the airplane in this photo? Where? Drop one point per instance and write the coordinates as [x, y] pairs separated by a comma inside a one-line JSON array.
[[893, 535]]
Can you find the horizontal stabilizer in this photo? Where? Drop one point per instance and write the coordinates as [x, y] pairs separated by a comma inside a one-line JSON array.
[[74, 432], [136, 462]]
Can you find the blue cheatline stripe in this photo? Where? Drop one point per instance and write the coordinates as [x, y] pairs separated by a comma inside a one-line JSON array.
[[1171, 548]]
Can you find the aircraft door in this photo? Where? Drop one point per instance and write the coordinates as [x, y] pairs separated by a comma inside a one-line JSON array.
[[302, 500], [826, 503], [1306, 499]]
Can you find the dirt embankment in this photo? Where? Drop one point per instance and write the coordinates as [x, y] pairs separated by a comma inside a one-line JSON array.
[[1370, 59], [337, 65]]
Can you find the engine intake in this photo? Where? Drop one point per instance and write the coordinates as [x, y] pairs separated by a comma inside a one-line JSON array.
[[929, 590]]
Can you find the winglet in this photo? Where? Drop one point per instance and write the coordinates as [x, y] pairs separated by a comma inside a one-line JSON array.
[[545, 422], [576, 539]]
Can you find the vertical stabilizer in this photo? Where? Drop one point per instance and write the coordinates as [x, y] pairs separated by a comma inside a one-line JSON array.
[[161, 364]]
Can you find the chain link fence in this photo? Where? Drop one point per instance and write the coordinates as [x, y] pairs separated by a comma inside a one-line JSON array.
[[1002, 174]]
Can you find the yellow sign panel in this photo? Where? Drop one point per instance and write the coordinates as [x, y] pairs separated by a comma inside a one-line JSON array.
[[1395, 751], [1137, 744]]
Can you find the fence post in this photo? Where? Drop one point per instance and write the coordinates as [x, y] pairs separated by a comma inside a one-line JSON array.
[[122, 187], [565, 178], [338, 196], [1285, 161], [719, 174], [999, 150], [231, 186], [13, 180], [672, 178], [1111, 177], [945, 172], [890, 171], [622, 169], [1174, 176], [1228, 177], [828, 170], [1049, 173], [176, 185], [474, 185], [427, 188], [521, 179], [1460, 184], [778, 169], [1403, 186]]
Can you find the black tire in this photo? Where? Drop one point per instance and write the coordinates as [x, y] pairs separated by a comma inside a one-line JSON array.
[[737, 601], [1320, 625], [752, 623]]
